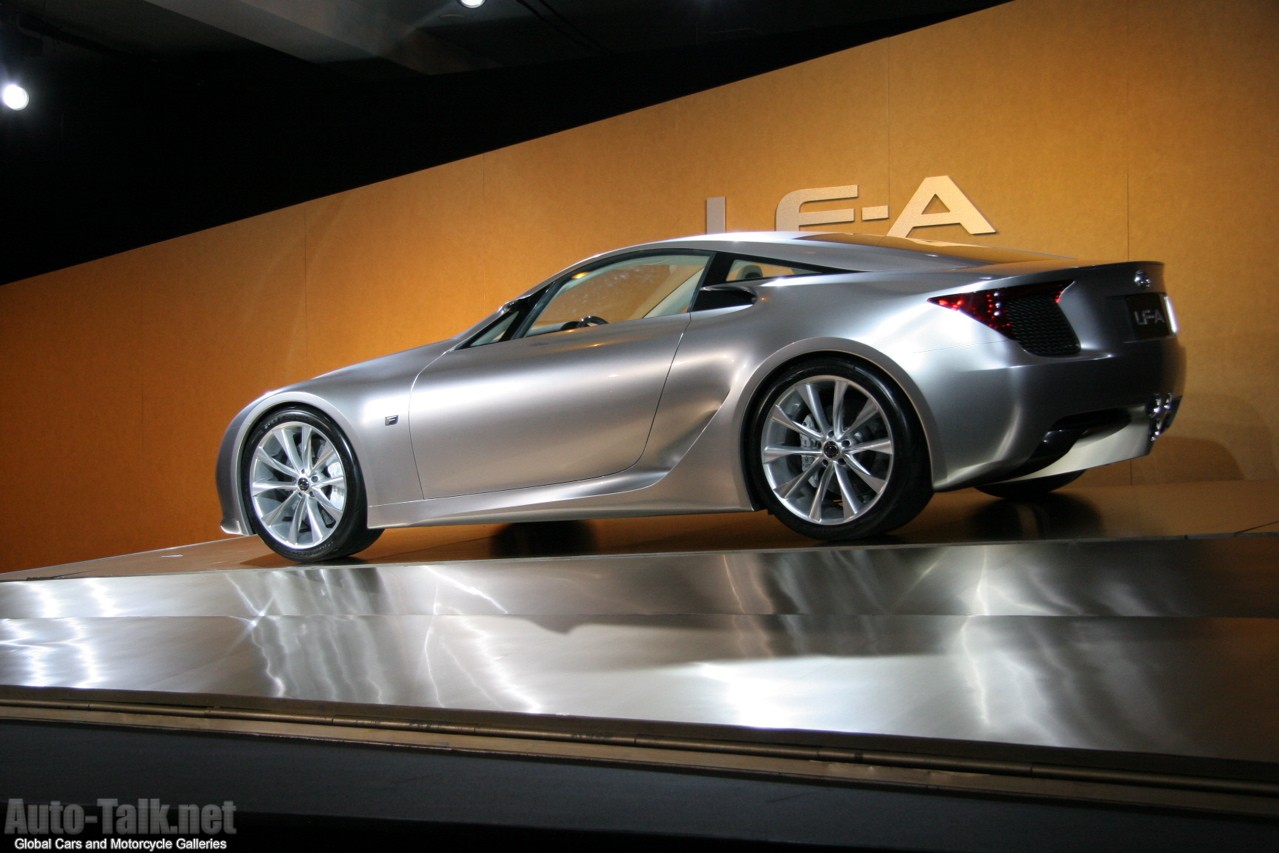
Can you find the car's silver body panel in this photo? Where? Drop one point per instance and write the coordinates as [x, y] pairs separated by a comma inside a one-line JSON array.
[[648, 416]]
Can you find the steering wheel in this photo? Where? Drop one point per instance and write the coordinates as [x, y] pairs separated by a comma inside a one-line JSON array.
[[585, 322]]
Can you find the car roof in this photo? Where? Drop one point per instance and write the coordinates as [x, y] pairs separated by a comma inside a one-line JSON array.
[[846, 251]]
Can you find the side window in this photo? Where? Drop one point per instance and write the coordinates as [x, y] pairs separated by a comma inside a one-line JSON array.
[[732, 270], [629, 289], [747, 269]]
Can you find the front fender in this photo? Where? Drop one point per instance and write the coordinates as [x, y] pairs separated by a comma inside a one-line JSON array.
[[235, 518]]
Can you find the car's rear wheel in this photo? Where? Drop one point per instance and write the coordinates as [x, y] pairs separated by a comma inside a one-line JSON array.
[[303, 488], [1023, 490], [835, 453]]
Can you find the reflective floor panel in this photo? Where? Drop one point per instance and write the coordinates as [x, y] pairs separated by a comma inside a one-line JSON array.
[[1154, 646]]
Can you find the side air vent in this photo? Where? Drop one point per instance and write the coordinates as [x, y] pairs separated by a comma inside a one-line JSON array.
[[1031, 315]]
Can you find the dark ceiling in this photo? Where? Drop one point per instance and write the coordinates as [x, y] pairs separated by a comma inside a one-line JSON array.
[[154, 118]]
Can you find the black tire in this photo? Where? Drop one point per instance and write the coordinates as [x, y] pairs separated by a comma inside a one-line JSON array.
[[303, 489], [834, 452], [1024, 490]]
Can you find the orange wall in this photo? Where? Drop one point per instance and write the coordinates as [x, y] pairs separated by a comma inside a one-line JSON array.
[[1086, 128]]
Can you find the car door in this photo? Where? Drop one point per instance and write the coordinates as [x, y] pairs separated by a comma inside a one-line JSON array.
[[567, 393]]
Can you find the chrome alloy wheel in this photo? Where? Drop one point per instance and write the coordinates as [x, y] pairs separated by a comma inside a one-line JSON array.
[[826, 449], [297, 485]]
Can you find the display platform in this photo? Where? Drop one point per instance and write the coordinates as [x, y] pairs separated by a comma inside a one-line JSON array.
[[1120, 664]]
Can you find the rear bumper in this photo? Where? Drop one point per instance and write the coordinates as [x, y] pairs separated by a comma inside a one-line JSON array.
[[1124, 441], [1006, 414]]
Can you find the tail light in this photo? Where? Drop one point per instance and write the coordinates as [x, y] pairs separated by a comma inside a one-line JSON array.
[[1029, 314]]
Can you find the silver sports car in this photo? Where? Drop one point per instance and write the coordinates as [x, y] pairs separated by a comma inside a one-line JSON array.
[[836, 380]]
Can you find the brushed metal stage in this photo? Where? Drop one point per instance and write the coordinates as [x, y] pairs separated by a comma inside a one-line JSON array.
[[1151, 646], [1156, 652]]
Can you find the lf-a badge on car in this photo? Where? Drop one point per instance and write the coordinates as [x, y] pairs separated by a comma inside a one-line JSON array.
[[1149, 320]]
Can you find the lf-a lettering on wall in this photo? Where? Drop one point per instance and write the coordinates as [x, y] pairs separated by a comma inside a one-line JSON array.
[[937, 201]]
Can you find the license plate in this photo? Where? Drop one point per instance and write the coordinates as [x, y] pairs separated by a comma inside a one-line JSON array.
[[1148, 315]]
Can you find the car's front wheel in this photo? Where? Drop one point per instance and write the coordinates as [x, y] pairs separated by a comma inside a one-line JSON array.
[[303, 489], [835, 453]]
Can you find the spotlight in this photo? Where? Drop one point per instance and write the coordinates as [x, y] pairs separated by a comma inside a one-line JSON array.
[[15, 97], [472, 4]]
